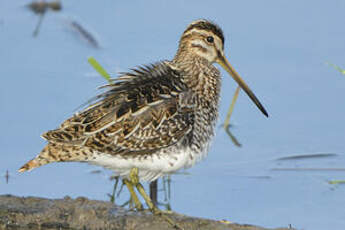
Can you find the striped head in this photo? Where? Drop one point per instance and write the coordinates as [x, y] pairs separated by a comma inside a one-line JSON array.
[[205, 39]]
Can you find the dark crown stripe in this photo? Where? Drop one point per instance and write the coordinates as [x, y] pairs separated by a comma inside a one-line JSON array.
[[209, 26]]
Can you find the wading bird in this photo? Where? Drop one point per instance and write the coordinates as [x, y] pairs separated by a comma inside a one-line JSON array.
[[152, 121]]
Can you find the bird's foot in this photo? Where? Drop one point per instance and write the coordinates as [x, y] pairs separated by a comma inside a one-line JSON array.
[[165, 216], [134, 180]]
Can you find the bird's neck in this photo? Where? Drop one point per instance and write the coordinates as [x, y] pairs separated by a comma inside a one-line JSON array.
[[190, 63], [199, 75], [205, 82]]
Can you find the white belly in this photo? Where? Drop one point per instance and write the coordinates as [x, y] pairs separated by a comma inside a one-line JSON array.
[[151, 167]]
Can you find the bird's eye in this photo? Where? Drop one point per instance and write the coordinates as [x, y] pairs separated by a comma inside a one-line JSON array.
[[210, 39]]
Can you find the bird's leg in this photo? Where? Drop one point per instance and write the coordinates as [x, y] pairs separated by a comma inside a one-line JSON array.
[[134, 196], [133, 175], [134, 178], [147, 199]]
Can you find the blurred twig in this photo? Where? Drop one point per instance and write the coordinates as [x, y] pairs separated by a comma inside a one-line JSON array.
[[40, 8], [232, 137], [308, 169], [154, 191], [7, 176], [307, 156], [228, 116], [112, 195], [38, 26], [167, 188], [85, 34], [166, 180], [231, 108]]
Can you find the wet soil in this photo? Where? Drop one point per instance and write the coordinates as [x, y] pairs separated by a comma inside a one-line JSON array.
[[84, 214]]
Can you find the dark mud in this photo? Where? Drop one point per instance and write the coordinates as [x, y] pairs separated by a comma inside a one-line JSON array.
[[82, 213]]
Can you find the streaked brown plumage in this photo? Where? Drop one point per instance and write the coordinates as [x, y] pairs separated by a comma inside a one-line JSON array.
[[157, 118]]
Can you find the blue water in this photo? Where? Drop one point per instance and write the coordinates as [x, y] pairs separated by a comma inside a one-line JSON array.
[[279, 48]]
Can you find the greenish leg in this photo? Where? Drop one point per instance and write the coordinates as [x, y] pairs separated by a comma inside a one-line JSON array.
[[134, 178], [134, 196], [147, 199]]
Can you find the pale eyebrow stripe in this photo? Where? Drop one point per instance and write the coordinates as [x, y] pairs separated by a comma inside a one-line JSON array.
[[199, 31]]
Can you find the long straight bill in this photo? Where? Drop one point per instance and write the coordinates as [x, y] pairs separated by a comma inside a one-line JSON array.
[[227, 66]]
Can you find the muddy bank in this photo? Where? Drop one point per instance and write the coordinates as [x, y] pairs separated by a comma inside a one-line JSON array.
[[85, 214]]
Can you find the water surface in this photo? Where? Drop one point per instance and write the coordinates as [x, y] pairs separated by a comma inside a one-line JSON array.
[[280, 49]]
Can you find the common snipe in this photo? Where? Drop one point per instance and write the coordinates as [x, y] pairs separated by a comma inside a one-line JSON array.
[[152, 121]]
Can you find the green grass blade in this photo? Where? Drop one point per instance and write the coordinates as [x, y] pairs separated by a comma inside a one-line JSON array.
[[99, 68], [336, 182], [342, 71]]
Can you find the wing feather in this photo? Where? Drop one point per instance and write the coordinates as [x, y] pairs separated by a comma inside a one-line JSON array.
[[146, 110]]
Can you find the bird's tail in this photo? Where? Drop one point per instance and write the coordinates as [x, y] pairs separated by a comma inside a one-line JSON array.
[[55, 153], [41, 159], [34, 163]]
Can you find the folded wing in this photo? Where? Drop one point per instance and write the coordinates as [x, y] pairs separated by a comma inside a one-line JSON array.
[[142, 112]]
